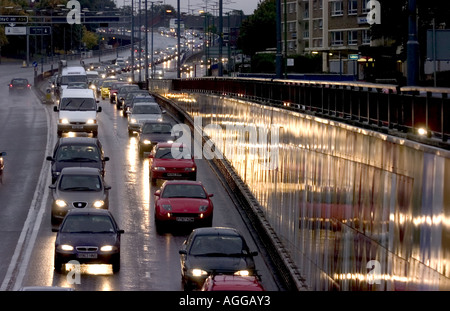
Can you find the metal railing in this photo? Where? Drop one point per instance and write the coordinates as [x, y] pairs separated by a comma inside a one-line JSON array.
[[419, 113]]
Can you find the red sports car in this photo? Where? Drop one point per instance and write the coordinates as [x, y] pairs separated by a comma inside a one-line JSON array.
[[224, 282], [183, 201], [172, 161]]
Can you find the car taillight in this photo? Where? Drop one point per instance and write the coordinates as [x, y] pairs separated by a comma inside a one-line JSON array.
[[10, 85], [29, 85]]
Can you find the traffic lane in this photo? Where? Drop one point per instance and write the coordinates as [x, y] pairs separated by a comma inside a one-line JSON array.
[[149, 261], [23, 133]]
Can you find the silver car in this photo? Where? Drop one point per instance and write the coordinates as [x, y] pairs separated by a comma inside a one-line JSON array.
[[142, 112], [77, 187]]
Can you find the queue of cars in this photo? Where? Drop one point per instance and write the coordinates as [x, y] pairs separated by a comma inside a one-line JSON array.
[[86, 229]]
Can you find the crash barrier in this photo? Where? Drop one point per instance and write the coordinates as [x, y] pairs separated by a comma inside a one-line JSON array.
[[416, 113], [355, 209]]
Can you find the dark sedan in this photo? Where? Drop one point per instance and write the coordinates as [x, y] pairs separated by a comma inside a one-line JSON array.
[[152, 133], [77, 152], [88, 236], [214, 250], [19, 86]]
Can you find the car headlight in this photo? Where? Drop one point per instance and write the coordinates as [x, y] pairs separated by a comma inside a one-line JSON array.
[[147, 142], [133, 121], [170, 141], [167, 207], [198, 272], [242, 273], [64, 121], [91, 121], [159, 168], [106, 248], [60, 203], [189, 169], [99, 203], [203, 208], [66, 247]]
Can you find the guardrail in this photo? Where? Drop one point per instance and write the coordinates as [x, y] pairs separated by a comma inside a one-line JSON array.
[[415, 112]]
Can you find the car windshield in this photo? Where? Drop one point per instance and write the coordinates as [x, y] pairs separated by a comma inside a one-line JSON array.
[[19, 81], [80, 153], [69, 182], [156, 128], [172, 153], [106, 84], [146, 109], [87, 224], [128, 88], [67, 79], [81, 104], [217, 245], [183, 191]]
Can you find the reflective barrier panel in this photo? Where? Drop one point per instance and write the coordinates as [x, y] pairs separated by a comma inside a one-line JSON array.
[[358, 210]]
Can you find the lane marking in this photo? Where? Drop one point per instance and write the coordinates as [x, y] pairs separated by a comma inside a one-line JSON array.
[[25, 245]]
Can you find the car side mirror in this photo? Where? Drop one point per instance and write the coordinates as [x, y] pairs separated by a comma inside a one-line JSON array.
[[210, 195], [49, 158], [107, 187], [97, 100], [254, 253], [52, 186], [99, 109], [163, 111], [106, 159], [55, 108], [151, 156], [182, 252], [55, 230], [157, 193], [120, 231]]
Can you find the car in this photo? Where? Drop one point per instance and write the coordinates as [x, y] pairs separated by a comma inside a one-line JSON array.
[[152, 133], [77, 187], [114, 88], [19, 86], [105, 87], [141, 113], [78, 152], [183, 201], [88, 236], [214, 250], [172, 161], [128, 100], [2, 165], [122, 92], [136, 98], [226, 282]]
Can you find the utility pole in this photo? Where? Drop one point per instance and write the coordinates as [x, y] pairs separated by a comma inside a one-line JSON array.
[[279, 55], [412, 45]]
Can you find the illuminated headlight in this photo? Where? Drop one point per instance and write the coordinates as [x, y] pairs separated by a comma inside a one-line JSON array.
[[167, 207], [91, 121], [203, 208], [198, 272], [170, 141], [60, 203], [133, 121], [99, 203], [190, 169], [242, 273], [159, 168], [66, 247], [64, 121], [107, 248], [147, 142]]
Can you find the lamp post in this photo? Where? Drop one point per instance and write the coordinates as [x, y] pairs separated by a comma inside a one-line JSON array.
[[132, 40], [179, 40], [412, 45], [152, 61]]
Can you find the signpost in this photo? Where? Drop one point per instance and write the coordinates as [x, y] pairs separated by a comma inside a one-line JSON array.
[[15, 31], [40, 30], [7, 19]]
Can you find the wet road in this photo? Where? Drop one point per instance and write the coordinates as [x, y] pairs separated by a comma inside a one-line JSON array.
[[149, 261]]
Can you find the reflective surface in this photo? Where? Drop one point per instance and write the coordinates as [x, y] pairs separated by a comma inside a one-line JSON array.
[[358, 210]]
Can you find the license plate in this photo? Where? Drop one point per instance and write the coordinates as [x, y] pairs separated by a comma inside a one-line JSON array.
[[87, 255], [174, 174], [77, 127], [185, 219]]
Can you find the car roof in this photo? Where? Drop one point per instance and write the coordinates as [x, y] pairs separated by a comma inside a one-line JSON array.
[[78, 140], [88, 211], [80, 170], [146, 104], [182, 182], [80, 93], [216, 231]]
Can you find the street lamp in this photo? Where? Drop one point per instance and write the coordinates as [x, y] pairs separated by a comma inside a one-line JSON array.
[[152, 61]]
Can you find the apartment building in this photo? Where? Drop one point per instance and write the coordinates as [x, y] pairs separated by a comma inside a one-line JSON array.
[[334, 28]]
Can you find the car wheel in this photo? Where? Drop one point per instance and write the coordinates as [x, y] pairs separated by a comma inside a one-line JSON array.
[[58, 264], [116, 263]]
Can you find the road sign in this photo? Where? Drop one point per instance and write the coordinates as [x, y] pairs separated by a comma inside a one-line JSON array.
[[6, 19], [15, 31], [35, 64], [40, 30], [353, 56]]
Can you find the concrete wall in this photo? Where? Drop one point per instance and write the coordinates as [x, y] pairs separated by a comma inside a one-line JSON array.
[[358, 210]]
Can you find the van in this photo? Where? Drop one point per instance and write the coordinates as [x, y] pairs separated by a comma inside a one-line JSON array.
[[70, 74], [77, 111]]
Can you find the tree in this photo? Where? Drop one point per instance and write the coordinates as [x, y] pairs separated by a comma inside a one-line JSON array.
[[258, 32], [90, 39]]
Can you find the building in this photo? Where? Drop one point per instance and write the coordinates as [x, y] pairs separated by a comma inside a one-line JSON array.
[[334, 28]]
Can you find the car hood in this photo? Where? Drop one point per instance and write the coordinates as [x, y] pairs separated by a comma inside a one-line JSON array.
[[87, 239], [144, 117], [80, 196], [220, 263], [77, 115], [184, 204], [157, 138], [58, 166], [173, 163]]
